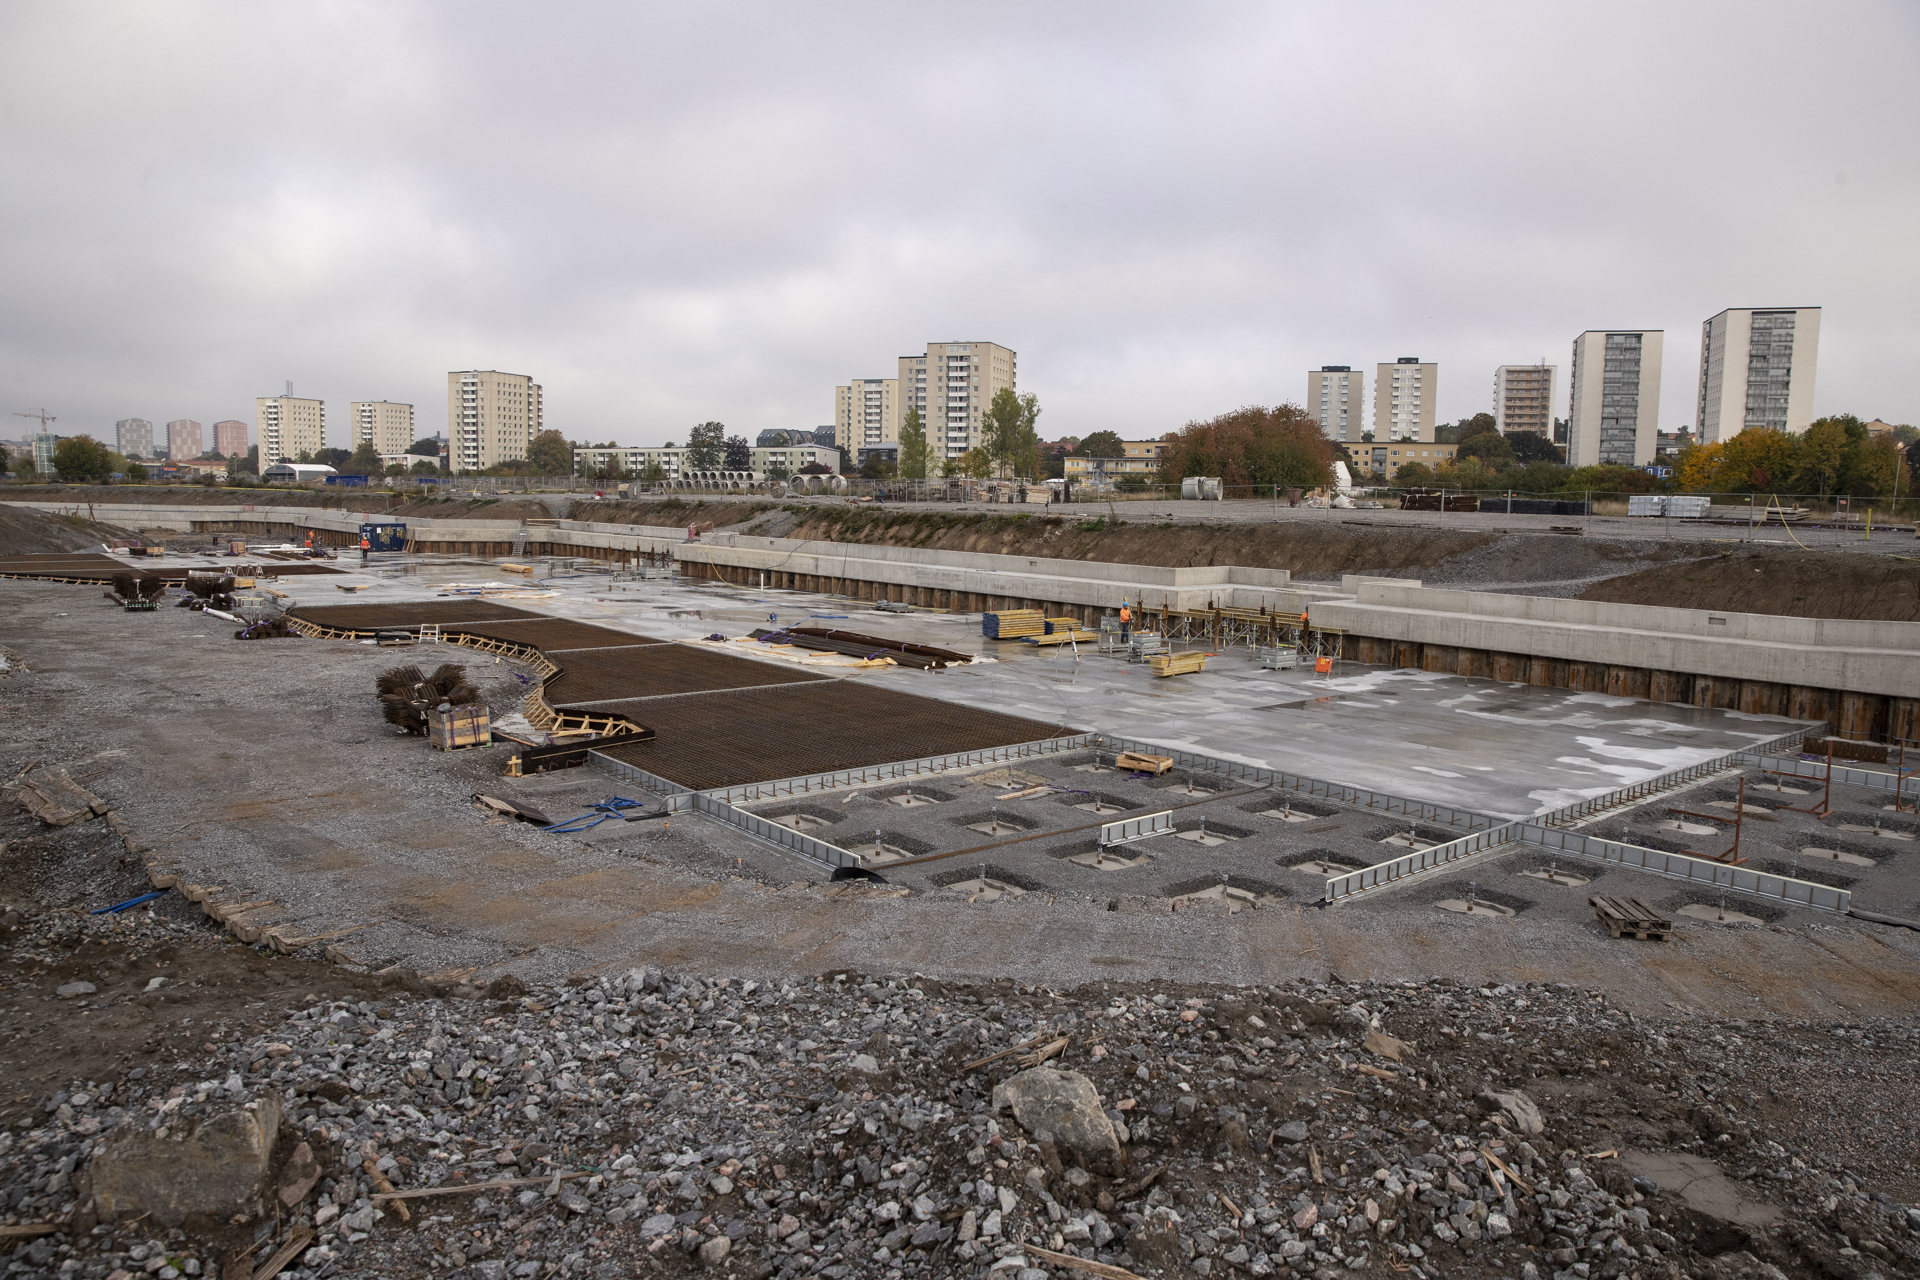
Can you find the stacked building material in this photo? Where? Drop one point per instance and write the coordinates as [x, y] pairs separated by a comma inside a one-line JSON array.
[[1064, 624], [922, 657], [1178, 664], [1013, 624]]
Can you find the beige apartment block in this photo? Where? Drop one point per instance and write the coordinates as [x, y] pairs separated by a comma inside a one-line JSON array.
[[1756, 370], [133, 437], [230, 438], [1523, 398], [289, 426], [491, 418], [1613, 410], [183, 440], [1336, 397], [866, 413], [962, 378], [387, 426], [1405, 395]]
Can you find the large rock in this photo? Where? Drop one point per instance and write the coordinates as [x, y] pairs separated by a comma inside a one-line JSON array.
[[1064, 1106], [220, 1169], [1521, 1113]]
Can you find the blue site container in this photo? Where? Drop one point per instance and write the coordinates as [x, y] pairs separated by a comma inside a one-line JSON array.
[[384, 537]]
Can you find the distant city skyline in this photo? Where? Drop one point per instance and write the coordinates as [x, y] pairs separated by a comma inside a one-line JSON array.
[[1146, 214]]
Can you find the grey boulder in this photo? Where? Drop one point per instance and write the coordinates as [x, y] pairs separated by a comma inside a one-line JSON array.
[[1064, 1106], [218, 1170]]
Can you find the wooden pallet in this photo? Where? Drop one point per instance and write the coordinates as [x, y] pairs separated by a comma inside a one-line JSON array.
[[1064, 637], [1630, 917], [1140, 762], [1178, 664]]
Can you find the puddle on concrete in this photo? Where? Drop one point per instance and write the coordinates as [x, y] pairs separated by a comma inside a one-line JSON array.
[[1236, 898], [1865, 830], [800, 821], [1687, 828], [987, 889], [1109, 859], [1716, 915], [1409, 840], [1098, 806], [1838, 855], [879, 855], [908, 800], [1319, 867], [1202, 836], [1461, 906], [1553, 875]]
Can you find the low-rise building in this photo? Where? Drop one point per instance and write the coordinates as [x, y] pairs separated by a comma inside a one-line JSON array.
[[673, 462], [1141, 461], [1385, 460]]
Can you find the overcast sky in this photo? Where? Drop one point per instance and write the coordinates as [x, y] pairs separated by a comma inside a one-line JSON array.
[[667, 214]]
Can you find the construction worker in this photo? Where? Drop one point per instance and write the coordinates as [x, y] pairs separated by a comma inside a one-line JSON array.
[[1126, 621], [366, 547]]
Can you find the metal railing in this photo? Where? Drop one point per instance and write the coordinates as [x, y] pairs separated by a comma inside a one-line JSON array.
[[868, 775], [1380, 875], [1700, 871], [1140, 828], [794, 842]]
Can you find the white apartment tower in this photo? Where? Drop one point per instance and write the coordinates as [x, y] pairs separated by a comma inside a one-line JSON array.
[[1756, 370], [1523, 398], [1613, 411], [962, 378], [1336, 398], [1405, 396], [491, 418], [133, 438], [184, 438], [289, 426], [866, 413], [387, 426]]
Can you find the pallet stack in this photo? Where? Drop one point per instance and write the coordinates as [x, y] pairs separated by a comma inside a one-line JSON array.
[[459, 727], [1178, 664], [1630, 917], [1143, 645], [1064, 624], [1013, 624]]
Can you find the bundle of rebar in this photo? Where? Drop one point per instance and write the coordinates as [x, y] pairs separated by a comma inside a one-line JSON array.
[[906, 653], [406, 696], [274, 628], [209, 590]]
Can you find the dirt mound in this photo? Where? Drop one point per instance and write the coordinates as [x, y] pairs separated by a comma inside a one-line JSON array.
[[670, 512], [25, 532], [1795, 584]]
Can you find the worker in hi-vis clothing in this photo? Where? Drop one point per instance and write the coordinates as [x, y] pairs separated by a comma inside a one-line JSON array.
[[365, 548], [1126, 620]]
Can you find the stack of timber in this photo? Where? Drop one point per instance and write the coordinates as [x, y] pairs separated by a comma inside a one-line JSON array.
[[54, 798], [1630, 916], [458, 727], [1178, 664], [1013, 624], [1063, 635]]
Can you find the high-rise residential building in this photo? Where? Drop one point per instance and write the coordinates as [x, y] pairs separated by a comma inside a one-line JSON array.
[[289, 426], [230, 438], [43, 444], [962, 378], [1336, 397], [183, 439], [387, 426], [1613, 411], [133, 438], [1406, 394], [1756, 370], [491, 418], [866, 414], [1523, 398]]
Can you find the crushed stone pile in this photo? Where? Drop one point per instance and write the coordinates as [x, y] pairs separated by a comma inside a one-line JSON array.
[[650, 1123]]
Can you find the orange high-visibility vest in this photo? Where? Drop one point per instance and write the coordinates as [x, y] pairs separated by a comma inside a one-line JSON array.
[[1126, 614]]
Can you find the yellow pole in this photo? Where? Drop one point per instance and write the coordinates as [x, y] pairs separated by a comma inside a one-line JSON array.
[[1869, 536]]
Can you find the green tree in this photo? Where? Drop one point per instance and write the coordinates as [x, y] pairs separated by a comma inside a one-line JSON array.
[[706, 446], [778, 471], [1530, 446], [1010, 432], [739, 454], [1826, 447], [550, 454], [1414, 475], [1757, 460], [1482, 442], [913, 447], [424, 469], [80, 459], [976, 463], [426, 447], [1101, 444], [1254, 445], [136, 474], [364, 462], [653, 472]]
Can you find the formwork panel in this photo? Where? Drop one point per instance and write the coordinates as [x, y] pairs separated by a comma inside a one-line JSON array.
[[409, 613], [648, 671], [726, 739], [555, 635]]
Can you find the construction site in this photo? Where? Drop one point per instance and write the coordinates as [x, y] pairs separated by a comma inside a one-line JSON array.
[[472, 752]]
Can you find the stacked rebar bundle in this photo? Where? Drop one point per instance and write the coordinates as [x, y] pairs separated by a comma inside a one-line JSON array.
[[132, 588], [275, 628], [851, 643], [209, 590], [406, 696]]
